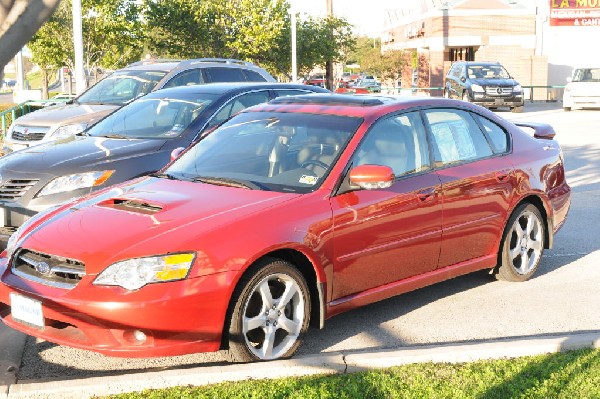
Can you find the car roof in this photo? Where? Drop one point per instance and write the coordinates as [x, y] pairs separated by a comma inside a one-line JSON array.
[[232, 88], [357, 105], [153, 66]]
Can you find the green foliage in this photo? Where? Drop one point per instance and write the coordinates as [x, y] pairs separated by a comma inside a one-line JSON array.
[[561, 375], [252, 30], [112, 35], [387, 66]]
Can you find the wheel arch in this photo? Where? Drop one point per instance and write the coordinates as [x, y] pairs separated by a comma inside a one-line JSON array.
[[305, 266], [548, 228]]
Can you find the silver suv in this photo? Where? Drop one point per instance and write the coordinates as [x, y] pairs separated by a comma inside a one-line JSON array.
[[118, 89]]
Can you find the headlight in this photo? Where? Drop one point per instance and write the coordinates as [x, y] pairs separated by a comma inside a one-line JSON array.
[[74, 182], [12, 242], [67, 130], [133, 274], [517, 88], [477, 88]]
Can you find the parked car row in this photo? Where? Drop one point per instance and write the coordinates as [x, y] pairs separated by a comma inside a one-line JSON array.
[[118, 89], [277, 210]]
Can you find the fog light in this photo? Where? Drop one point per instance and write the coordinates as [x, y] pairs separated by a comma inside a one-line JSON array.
[[139, 336], [135, 337]]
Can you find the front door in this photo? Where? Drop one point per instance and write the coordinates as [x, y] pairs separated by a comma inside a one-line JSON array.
[[385, 235]]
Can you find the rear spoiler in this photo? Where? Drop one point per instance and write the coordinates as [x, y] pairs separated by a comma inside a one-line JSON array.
[[540, 130]]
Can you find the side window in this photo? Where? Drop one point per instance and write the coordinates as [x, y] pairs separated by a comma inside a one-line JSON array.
[[456, 137], [496, 135], [456, 71], [237, 104], [186, 78], [252, 76], [225, 74], [289, 92], [399, 142]]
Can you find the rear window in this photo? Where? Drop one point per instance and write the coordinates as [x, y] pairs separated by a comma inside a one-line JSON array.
[[225, 74]]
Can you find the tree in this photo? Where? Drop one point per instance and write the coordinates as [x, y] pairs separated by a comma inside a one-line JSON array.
[[252, 30], [387, 66], [112, 36], [19, 20]]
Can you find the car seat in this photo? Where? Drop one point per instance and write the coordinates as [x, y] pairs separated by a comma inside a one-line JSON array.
[[389, 144]]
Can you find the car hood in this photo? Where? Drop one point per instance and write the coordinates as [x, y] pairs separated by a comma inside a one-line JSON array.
[[145, 213], [495, 82], [73, 153], [66, 114]]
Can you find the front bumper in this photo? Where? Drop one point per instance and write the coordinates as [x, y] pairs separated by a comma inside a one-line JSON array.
[[175, 318], [485, 100], [581, 101]]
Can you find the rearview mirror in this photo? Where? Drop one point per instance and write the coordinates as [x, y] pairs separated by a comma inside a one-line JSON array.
[[371, 177]]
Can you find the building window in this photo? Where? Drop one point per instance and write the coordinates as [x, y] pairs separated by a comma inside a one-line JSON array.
[[462, 54]]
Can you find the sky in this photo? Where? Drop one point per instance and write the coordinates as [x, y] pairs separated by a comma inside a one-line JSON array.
[[366, 16]]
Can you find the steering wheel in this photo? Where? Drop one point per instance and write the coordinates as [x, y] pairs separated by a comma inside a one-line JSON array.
[[314, 162]]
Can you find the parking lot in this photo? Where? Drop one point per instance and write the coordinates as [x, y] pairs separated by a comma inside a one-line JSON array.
[[561, 298]]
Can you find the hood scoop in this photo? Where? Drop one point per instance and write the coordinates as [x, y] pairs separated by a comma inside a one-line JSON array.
[[133, 205]]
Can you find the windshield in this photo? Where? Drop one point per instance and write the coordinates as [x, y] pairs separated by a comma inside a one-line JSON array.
[[121, 87], [153, 118], [487, 72], [587, 75], [285, 152]]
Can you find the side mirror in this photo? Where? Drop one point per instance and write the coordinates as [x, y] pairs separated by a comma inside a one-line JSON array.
[[371, 177], [463, 79], [176, 153]]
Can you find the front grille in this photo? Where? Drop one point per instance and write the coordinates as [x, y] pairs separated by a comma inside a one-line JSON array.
[[498, 90], [50, 270], [13, 189], [29, 133]]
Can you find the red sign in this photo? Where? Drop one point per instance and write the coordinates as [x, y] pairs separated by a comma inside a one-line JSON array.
[[575, 12]]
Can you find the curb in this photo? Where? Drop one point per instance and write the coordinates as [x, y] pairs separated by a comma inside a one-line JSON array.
[[329, 363]]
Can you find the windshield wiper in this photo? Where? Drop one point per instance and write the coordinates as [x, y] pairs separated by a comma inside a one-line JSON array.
[[226, 181], [116, 136], [163, 176]]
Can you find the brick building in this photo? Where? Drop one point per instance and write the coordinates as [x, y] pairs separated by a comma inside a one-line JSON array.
[[517, 33]]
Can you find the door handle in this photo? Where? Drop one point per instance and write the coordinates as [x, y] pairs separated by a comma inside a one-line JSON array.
[[426, 195]]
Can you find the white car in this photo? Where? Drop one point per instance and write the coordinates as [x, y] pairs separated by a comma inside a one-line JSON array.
[[583, 90]]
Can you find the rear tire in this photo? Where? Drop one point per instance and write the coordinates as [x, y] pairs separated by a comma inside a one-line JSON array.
[[271, 313], [522, 245], [465, 97], [567, 109]]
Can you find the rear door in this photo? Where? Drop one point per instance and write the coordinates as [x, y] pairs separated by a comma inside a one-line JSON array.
[[477, 183]]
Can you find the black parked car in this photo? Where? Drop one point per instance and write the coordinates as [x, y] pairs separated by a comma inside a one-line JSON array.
[[135, 140], [484, 83]]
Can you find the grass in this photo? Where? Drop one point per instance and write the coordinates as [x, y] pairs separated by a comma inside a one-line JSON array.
[[565, 375]]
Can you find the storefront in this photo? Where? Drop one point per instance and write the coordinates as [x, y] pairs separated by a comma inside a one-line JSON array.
[[540, 42]]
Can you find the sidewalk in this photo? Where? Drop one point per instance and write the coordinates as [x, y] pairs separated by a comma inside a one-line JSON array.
[[325, 363]]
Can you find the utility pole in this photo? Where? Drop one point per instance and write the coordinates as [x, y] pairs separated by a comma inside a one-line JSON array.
[[294, 48], [80, 83], [329, 63]]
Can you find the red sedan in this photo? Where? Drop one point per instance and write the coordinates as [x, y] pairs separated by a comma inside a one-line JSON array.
[[288, 214]]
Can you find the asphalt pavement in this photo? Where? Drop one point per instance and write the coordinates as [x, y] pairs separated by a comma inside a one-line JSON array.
[[462, 319]]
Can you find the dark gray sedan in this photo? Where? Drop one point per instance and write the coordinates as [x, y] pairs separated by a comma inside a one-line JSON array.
[[133, 141]]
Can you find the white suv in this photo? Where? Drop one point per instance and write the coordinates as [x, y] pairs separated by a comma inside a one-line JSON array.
[[583, 90]]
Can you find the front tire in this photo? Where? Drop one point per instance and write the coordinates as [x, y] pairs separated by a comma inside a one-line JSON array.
[[522, 244], [567, 109], [465, 97], [271, 313], [517, 110]]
